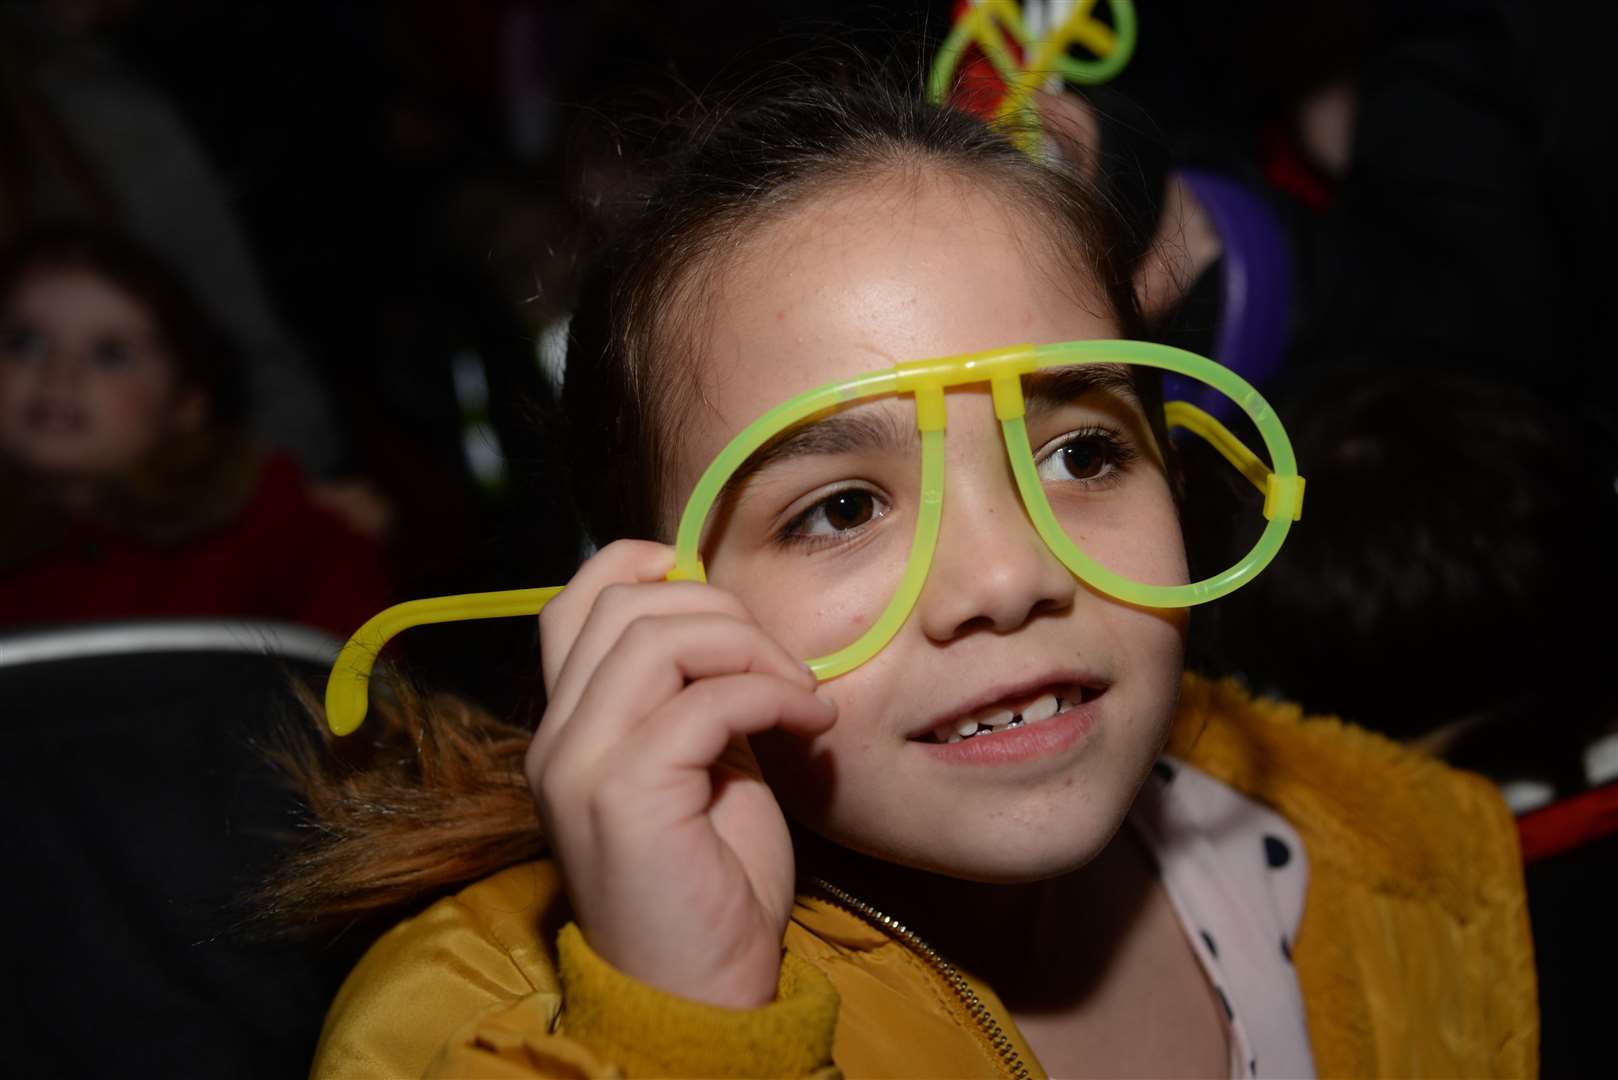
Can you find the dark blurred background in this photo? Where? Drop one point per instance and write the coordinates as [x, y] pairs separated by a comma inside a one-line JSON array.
[[385, 205]]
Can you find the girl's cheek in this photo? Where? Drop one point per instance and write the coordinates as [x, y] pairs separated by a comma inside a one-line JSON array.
[[138, 406], [1158, 638], [135, 413], [1155, 553], [809, 614]]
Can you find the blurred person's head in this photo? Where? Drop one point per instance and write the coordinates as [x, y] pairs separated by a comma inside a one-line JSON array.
[[109, 368], [1455, 583]]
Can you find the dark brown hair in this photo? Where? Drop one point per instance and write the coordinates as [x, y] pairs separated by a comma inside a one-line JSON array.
[[393, 832], [736, 168]]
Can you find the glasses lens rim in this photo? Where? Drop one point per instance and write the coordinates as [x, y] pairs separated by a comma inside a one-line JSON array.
[[979, 368]]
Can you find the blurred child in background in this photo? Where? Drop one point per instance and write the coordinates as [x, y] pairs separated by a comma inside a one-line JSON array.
[[130, 487]]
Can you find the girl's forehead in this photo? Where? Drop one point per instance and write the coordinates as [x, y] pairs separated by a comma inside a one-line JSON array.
[[869, 276], [77, 295]]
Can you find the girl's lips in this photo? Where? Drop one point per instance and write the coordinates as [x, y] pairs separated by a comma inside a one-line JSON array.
[[1024, 742], [999, 704], [54, 418]]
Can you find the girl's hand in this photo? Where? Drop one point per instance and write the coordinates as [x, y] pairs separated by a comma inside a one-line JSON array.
[[675, 853]]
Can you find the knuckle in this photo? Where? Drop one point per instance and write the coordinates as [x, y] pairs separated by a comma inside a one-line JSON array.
[[542, 778], [613, 598], [641, 632], [706, 695], [622, 548], [745, 692], [607, 799], [634, 558], [546, 771], [730, 604]]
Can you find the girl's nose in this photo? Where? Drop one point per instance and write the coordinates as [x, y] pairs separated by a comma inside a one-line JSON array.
[[991, 570], [59, 371]]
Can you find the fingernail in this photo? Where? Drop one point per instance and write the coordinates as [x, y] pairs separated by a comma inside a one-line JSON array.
[[826, 700]]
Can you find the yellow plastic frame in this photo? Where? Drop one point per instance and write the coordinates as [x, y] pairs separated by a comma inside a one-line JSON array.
[[926, 380]]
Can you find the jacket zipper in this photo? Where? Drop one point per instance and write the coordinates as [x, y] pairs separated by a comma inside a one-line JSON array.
[[999, 1042]]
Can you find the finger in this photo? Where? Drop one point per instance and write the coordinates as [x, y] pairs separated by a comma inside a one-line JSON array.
[[616, 607], [653, 659], [738, 706], [620, 562], [670, 758]]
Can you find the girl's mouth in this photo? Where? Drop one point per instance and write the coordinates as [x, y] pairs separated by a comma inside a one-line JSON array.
[[997, 718], [55, 418]]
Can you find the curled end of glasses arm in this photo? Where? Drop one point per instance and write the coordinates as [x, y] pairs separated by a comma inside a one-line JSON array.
[[348, 687]]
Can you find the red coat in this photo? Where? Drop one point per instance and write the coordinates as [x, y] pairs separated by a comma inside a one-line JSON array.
[[282, 557]]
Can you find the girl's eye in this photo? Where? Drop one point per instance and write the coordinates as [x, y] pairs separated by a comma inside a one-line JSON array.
[[1090, 456], [23, 344], [838, 514], [111, 354]]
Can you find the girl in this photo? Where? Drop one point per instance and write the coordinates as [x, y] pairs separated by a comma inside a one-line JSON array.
[[128, 486], [922, 866]]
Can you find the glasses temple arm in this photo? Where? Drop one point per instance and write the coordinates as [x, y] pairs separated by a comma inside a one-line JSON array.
[[348, 687], [1282, 494]]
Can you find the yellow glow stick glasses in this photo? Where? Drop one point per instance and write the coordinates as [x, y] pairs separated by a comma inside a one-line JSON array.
[[926, 381]]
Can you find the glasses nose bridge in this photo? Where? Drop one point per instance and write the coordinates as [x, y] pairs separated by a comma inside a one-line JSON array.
[[1002, 369]]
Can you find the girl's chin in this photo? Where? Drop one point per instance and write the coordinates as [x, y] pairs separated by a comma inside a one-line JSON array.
[[1000, 867], [1009, 855]]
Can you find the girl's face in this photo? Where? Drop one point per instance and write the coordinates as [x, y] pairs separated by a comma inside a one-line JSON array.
[[87, 388], [860, 280]]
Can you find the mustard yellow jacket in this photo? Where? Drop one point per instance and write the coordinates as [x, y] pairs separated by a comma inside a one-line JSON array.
[[1413, 955]]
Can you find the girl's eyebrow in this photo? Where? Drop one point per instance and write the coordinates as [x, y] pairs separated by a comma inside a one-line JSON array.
[[1056, 387], [889, 431], [856, 431]]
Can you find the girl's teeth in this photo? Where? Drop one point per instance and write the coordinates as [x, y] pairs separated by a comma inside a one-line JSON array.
[[1043, 709]]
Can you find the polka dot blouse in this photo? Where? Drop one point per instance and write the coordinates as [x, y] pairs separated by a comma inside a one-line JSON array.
[[1235, 872]]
